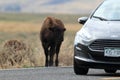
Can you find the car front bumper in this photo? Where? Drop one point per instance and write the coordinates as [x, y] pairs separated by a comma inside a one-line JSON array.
[[83, 57]]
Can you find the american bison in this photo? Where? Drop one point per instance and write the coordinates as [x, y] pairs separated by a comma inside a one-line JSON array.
[[51, 36]]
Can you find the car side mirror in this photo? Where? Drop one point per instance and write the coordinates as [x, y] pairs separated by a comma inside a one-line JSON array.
[[82, 20]]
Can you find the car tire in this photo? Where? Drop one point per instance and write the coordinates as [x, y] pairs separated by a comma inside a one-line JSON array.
[[110, 70], [80, 70]]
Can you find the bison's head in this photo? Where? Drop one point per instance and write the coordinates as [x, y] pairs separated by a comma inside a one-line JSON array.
[[58, 33], [56, 27]]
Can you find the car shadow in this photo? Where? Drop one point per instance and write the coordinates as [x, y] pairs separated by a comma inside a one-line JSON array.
[[105, 74]]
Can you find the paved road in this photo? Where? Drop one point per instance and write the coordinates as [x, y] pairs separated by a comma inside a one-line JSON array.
[[53, 73]]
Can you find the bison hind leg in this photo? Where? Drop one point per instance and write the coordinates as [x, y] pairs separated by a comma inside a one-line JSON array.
[[52, 53], [51, 60]]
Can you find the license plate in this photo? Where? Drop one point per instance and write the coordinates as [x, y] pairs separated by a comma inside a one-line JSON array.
[[112, 52]]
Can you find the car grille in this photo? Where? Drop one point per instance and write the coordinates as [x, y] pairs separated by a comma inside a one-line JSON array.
[[98, 45]]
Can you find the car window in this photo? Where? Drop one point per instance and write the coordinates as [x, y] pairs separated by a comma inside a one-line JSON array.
[[110, 10]]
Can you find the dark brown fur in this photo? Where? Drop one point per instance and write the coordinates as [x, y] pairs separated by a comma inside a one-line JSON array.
[[51, 36]]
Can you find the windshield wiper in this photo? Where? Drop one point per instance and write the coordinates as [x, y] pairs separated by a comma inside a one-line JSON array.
[[101, 18], [115, 20]]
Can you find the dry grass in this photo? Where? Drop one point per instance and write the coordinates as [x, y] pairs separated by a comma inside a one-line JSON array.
[[16, 54], [19, 27], [28, 32], [29, 27]]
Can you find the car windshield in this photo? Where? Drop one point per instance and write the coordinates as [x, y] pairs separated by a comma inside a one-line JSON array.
[[109, 10]]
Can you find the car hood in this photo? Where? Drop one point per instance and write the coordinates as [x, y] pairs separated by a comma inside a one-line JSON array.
[[103, 29]]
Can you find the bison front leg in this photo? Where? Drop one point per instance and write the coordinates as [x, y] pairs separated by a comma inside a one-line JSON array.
[[46, 58], [57, 53], [52, 52], [46, 52], [56, 61]]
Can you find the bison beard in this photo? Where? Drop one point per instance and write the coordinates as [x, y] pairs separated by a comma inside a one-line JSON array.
[[51, 36]]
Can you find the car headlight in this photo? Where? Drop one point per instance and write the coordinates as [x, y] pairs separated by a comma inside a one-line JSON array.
[[83, 37]]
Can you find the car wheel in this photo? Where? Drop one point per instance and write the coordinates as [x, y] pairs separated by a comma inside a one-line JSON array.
[[80, 70], [110, 70]]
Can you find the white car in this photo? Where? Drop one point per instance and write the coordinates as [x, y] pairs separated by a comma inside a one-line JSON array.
[[97, 44]]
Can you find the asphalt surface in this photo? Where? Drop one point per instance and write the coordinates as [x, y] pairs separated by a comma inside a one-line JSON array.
[[55, 73]]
